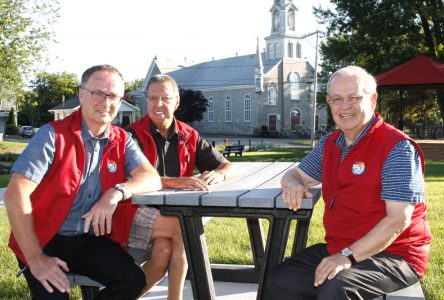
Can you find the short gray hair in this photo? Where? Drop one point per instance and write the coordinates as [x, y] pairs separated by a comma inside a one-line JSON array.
[[103, 68], [357, 72], [161, 78]]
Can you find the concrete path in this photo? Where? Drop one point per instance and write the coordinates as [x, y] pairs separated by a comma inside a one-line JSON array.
[[224, 291]]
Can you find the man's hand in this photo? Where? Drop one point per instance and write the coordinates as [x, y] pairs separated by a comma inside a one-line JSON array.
[[293, 189], [101, 214], [212, 177], [186, 183], [329, 267], [50, 272]]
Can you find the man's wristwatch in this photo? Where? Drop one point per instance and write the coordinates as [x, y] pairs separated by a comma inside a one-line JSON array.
[[349, 254], [121, 187]]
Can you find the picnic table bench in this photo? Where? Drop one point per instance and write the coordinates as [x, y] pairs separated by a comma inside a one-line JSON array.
[[233, 149]]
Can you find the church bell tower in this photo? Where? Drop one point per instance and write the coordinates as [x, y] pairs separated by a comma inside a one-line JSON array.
[[283, 42]]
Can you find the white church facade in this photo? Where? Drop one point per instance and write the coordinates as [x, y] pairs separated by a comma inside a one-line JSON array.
[[270, 88]]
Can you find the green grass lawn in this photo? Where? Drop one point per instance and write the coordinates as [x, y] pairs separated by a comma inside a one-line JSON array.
[[228, 242]]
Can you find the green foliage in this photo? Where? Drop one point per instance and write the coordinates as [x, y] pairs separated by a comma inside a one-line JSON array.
[[11, 128], [192, 106], [49, 91], [131, 87], [24, 31], [379, 35]]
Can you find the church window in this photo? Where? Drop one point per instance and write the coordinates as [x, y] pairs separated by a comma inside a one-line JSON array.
[[272, 94], [294, 85], [290, 49], [247, 108], [298, 50], [228, 109], [210, 110], [276, 20], [277, 50], [270, 51], [295, 119], [291, 19]]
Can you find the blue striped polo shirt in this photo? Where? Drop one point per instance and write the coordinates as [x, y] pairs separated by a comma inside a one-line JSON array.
[[402, 178]]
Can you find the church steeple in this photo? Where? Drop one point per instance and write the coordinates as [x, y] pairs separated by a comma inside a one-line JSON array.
[[258, 71], [283, 41]]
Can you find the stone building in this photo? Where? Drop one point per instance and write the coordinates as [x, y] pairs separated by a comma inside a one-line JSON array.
[[270, 88]]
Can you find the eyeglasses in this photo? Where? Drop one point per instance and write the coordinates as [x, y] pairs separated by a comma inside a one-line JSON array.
[[100, 96], [165, 100], [338, 100]]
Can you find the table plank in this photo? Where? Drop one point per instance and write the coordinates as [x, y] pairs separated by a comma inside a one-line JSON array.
[[228, 197], [194, 198], [264, 195]]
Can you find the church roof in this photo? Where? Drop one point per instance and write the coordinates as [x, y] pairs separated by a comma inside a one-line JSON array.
[[419, 71], [232, 71]]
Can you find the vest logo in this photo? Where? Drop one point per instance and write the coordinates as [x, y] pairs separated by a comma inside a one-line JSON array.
[[358, 168], [111, 166]]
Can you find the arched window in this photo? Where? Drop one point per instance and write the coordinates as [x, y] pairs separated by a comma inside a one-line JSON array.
[[228, 109], [291, 19], [277, 50], [295, 119], [270, 51], [210, 110], [290, 49], [276, 20], [272, 94], [247, 108], [294, 85], [298, 50]]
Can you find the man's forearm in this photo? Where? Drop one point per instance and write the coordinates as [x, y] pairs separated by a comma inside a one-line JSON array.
[[144, 179]]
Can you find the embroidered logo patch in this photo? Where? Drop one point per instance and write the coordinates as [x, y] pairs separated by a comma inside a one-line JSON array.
[[358, 168], [111, 166]]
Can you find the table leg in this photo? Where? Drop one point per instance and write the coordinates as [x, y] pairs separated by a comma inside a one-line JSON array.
[[257, 241], [300, 236], [197, 255], [274, 253]]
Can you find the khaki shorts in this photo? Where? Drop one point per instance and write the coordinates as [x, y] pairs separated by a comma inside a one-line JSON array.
[[142, 228]]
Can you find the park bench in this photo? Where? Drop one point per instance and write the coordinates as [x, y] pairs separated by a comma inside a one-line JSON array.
[[233, 149]]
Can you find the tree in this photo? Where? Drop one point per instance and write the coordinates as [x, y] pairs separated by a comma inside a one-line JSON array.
[[49, 90], [192, 106], [24, 30], [131, 87], [379, 35], [11, 127]]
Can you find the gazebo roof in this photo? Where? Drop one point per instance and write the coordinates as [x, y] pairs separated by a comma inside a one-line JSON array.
[[419, 71]]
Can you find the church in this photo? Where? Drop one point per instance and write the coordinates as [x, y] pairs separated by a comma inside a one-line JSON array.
[[270, 90]]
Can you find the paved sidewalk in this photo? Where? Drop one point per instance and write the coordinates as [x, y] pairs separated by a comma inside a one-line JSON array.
[[224, 291]]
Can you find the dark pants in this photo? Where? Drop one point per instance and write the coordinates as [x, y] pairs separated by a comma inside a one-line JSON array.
[[378, 275], [98, 258]]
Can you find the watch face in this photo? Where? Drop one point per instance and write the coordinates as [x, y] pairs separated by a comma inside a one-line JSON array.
[[346, 252]]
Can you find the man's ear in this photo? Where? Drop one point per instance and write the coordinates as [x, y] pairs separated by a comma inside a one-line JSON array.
[[177, 103], [374, 99]]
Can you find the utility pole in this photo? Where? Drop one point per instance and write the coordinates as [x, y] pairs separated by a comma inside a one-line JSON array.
[[315, 88]]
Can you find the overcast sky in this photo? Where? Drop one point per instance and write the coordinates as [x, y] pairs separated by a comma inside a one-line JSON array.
[[129, 33]]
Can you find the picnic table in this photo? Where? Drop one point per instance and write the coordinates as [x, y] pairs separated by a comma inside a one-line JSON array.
[[254, 193]]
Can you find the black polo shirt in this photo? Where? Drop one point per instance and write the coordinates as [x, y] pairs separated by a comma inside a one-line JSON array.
[[167, 162]]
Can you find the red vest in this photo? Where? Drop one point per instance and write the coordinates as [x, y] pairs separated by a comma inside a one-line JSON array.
[[53, 197], [188, 138], [353, 204]]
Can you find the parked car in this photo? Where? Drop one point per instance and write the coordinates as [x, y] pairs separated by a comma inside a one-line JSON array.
[[27, 131]]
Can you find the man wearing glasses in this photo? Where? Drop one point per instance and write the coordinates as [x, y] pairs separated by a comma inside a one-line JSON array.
[[64, 191], [174, 149], [376, 229]]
